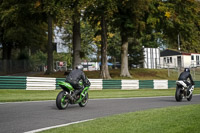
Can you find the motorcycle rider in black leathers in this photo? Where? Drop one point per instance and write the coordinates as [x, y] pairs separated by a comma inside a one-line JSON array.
[[184, 77], [74, 77]]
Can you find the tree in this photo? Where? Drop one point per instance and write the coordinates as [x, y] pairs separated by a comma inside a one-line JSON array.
[[87, 35], [102, 11], [76, 33], [152, 35], [74, 10], [19, 29], [104, 66], [114, 47], [52, 10], [128, 19], [136, 54], [181, 18]]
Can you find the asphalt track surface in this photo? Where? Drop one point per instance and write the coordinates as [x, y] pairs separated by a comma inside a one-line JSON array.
[[22, 117]]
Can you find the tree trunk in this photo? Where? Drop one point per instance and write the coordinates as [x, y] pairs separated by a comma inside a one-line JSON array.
[[104, 66], [76, 43], [50, 47], [98, 54], [124, 57], [6, 56], [7, 49]]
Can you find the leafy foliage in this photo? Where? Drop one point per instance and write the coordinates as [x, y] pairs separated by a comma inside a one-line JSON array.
[[151, 23], [18, 25], [181, 18], [136, 55], [38, 60]]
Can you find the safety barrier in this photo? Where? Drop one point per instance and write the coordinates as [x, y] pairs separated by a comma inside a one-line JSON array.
[[172, 84], [12, 82], [40, 83], [160, 84], [111, 84], [43, 83], [130, 84], [96, 84], [146, 84]]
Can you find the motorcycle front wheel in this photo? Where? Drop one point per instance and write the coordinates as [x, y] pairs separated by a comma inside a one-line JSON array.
[[62, 101], [84, 101], [189, 98], [178, 95]]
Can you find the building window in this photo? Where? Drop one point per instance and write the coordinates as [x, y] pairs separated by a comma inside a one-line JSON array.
[[192, 57], [165, 60], [170, 59], [197, 60]]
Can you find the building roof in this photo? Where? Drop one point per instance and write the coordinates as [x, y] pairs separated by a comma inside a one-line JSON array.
[[169, 52]]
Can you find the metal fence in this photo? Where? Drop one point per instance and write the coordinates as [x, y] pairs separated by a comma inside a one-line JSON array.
[[14, 66], [175, 72]]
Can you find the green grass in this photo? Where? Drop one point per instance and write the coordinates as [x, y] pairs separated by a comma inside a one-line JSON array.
[[139, 74], [36, 95], [26, 95], [181, 119]]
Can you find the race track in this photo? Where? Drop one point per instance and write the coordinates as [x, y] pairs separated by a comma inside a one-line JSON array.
[[27, 116]]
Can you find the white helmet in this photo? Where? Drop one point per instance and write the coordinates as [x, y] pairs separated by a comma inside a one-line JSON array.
[[80, 67]]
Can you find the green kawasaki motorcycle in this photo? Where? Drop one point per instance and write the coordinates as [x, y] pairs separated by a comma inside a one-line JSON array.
[[64, 97]]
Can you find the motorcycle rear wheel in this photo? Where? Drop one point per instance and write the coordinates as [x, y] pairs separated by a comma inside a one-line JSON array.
[[62, 101], [178, 95], [189, 98], [84, 101]]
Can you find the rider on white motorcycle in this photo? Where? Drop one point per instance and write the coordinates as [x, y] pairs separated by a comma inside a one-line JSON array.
[[184, 76]]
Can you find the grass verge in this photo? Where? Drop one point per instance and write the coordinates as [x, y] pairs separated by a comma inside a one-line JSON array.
[[36, 95], [181, 119], [139, 74]]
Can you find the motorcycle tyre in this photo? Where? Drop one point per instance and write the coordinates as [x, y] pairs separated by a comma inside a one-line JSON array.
[[84, 102], [178, 95], [59, 104], [189, 98]]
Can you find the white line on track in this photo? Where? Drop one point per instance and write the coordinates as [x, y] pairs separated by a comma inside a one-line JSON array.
[[62, 125]]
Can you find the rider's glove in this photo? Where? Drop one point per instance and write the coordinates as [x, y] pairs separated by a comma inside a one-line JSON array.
[[193, 83]]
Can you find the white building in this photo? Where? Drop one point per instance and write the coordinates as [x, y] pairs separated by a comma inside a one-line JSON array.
[[173, 59], [195, 62], [151, 58], [90, 66]]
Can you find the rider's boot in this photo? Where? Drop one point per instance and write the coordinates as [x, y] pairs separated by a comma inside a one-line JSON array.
[[70, 97], [189, 90]]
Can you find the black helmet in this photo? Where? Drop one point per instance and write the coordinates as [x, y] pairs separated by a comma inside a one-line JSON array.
[[80, 67], [186, 70]]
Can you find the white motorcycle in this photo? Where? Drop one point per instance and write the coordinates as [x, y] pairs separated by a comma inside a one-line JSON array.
[[181, 91]]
